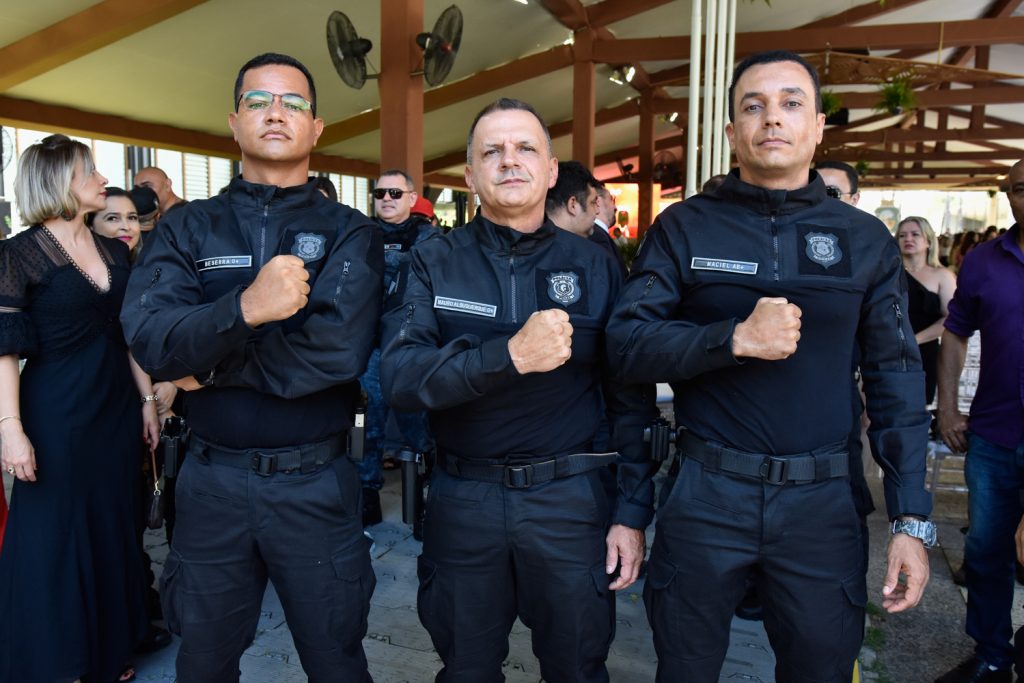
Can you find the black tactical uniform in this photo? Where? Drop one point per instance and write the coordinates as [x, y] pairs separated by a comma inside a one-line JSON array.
[[517, 513], [266, 489], [765, 479]]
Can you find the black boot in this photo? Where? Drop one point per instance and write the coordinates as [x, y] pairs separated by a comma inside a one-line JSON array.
[[371, 507]]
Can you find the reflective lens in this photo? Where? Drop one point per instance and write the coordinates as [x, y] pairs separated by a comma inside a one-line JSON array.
[[833, 192], [394, 192], [256, 100]]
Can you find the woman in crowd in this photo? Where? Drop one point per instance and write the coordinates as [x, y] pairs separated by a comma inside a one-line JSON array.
[[118, 220], [70, 571], [930, 287]]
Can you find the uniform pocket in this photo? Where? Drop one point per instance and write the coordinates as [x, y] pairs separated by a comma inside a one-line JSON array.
[[356, 581], [170, 587]]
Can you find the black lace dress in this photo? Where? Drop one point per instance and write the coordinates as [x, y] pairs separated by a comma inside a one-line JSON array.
[[70, 568], [924, 308]]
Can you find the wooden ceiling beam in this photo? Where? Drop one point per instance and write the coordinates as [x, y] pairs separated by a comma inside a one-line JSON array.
[[478, 84], [951, 170], [874, 182], [934, 99], [611, 11], [569, 13], [882, 37], [29, 114], [83, 32], [445, 180], [885, 135], [868, 154], [999, 9], [854, 15]]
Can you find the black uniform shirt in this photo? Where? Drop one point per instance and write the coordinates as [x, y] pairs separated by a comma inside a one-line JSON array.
[[446, 351], [703, 266], [289, 382]]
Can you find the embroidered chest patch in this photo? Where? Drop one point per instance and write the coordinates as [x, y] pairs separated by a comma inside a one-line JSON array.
[[823, 248], [564, 288], [309, 246]]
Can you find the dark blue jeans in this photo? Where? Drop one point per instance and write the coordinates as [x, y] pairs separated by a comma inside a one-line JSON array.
[[386, 428], [995, 478]]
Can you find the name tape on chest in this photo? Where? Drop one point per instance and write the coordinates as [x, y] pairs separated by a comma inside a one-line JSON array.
[[463, 306], [393, 247], [724, 265], [215, 262]]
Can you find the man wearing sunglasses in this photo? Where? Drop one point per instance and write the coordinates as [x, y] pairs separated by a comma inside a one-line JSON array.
[[840, 180], [393, 199], [262, 303]]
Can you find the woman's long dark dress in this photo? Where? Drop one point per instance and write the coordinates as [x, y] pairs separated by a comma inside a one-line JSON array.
[[924, 309], [70, 569]]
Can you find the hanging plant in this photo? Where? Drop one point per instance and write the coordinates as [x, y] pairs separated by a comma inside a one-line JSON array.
[[831, 103], [862, 167], [897, 97]]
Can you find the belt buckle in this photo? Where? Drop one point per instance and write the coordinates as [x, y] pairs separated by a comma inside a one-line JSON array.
[[773, 470], [264, 464], [518, 476]]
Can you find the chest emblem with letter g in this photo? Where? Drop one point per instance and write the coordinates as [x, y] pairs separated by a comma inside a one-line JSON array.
[[564, 288], [308, 246], [823, 248]]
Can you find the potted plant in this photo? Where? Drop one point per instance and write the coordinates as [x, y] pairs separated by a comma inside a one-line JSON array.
[[897, 97]]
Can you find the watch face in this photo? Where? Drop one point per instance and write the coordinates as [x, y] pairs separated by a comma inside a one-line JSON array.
[[923, 530]]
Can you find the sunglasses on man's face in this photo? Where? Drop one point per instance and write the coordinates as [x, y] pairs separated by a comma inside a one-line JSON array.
[[258, 100], [836, 192], [392, 192]]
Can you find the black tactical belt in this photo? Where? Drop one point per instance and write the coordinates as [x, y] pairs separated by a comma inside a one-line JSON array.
[[828, 463], [525, 474], [267, 461]]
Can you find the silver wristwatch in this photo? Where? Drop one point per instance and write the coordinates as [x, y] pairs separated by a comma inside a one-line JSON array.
[[921, 529]]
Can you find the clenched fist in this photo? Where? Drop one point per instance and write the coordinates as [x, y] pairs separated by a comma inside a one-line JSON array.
[[279, 291], [770, 332], [543, 343]]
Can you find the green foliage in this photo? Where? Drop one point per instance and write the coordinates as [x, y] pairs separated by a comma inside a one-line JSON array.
[[629, 250], [831, 103], [897, 97], [862, 167]]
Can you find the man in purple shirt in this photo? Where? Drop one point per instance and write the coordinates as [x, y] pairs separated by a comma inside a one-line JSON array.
[[990, 298]]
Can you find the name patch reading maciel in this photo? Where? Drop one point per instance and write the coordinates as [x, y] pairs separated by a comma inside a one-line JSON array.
[[215, 262], [463, 306], [723, 265]]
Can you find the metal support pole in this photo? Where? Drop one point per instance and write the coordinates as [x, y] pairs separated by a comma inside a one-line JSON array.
[[730, 58], [709, 95], [693, 122], [720, 93]]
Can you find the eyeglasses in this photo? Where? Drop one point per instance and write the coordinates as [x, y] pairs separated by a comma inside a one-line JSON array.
[[257, 100], [392, 192], [835, 192]]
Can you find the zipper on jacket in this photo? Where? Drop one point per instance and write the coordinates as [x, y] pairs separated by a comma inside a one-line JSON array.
[[263, 235], [512, 275], [403, 330], [156, 277], [341, 283], [647, 288], [902, 337], [775, 249]]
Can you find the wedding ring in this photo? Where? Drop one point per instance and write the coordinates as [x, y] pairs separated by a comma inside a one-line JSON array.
[[10, 470]]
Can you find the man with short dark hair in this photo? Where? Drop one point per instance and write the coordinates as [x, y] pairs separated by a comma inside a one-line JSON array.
[[571, 203], [841, 181], [748, 300], [393, 199], [989, 298], [605, 208], [263, 304], [499, 338], [156, 179]]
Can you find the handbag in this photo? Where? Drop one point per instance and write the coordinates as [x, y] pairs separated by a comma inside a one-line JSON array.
[[155, 514]]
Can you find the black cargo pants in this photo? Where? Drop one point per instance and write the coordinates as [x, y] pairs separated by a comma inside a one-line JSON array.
[[492, 553], [237, 528], [713, 530]]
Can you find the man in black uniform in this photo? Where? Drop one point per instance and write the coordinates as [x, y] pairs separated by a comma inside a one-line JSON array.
[[501, 339], [748, 299], [393, 199], [262, 303]]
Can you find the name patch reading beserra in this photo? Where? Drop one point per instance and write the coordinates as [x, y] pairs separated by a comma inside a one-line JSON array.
[[463, 306], [215, 262], [724, 265]]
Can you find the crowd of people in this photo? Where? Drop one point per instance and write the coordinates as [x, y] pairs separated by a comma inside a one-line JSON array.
[[518, 356]]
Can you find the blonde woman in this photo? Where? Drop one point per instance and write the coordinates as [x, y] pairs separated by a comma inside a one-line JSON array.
[[930, 287], [70, 426]]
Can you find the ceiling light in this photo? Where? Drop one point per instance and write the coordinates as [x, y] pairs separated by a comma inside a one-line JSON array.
[[672, 119], [522, 2], [630, 72], [616, 78]]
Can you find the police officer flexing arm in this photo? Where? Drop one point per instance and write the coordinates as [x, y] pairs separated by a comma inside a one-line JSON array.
[[263, 303], [500, 338], [748, 300]]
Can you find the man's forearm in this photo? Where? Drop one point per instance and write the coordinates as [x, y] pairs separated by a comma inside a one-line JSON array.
[[952, 354]]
